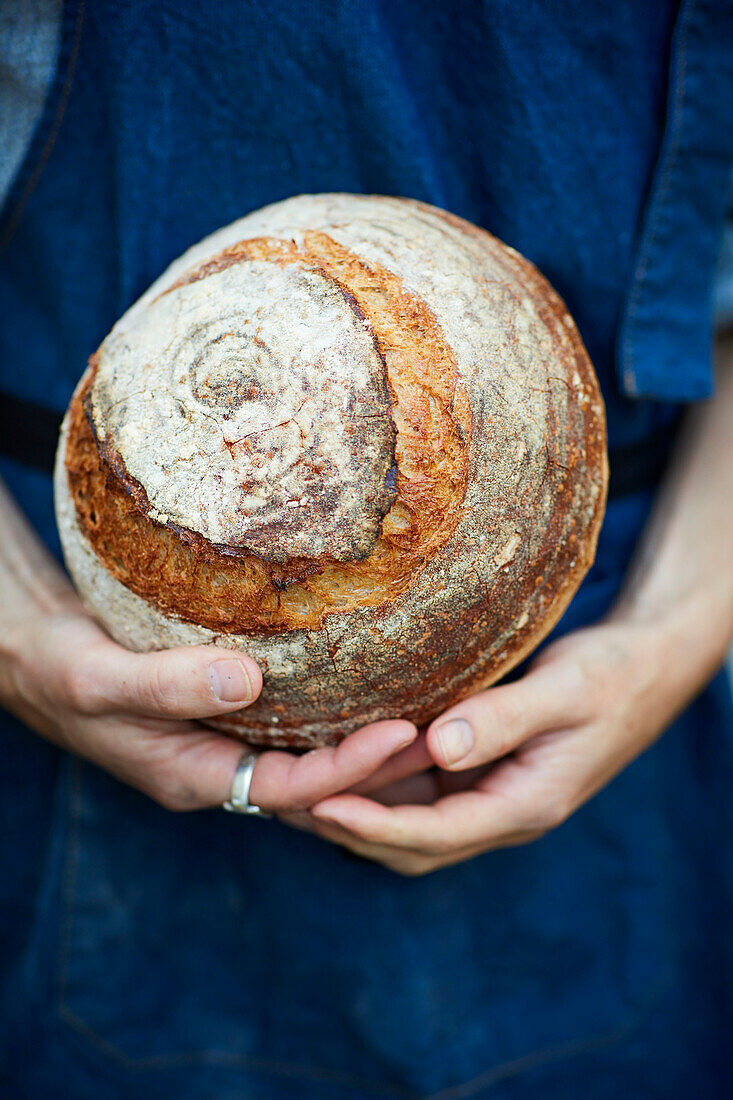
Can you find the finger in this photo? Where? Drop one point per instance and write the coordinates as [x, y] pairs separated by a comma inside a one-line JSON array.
[[494, 723], [511, 801], [299, 819], [410, 761], [284, 782], [421, 789], [403, 861], [187, 682], [456, 821]]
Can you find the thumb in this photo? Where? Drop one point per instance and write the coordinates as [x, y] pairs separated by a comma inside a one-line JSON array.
[[188, 682], [487, 726]]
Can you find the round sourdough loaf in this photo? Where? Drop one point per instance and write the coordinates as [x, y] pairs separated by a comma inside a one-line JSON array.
[[356, 437]]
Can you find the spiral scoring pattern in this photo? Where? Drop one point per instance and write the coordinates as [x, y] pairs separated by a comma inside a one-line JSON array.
[[328, 465], [263, 437]]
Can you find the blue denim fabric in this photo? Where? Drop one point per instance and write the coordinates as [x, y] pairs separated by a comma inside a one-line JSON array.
[[150, 954], [664, 343], [29, 38]]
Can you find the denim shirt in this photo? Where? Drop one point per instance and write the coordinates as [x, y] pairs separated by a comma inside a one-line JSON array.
[[147, 953]]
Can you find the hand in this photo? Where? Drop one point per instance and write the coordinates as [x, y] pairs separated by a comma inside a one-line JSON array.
[[516, 760], [135, 715]]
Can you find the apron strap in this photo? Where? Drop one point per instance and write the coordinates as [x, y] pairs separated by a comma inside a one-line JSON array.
[[28, 432]]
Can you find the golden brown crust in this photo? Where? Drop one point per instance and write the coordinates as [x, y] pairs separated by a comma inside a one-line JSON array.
[[183, 574]]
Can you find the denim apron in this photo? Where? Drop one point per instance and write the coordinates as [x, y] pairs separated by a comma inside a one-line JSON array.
[[148, 954]]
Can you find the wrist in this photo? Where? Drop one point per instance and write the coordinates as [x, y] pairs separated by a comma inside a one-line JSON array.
[[686, 636], [16, 642], [24, 672]]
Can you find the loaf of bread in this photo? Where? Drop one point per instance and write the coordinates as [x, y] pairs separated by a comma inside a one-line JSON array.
[[355, 437]]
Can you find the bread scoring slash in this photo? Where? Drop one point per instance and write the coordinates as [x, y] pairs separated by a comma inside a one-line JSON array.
[[355, 437]]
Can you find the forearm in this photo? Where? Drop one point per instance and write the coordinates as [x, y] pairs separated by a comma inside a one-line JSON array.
[[682, 579], [30, 579], [32, 589]]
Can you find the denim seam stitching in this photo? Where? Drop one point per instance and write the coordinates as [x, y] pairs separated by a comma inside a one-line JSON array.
[[542, 1057], [532, 1059], [224, 1059], [553, 1055]]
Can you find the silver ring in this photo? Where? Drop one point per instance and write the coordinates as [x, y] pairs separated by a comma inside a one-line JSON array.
[[239, 802]]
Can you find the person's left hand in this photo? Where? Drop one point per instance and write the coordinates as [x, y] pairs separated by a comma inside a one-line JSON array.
[[516, 760]]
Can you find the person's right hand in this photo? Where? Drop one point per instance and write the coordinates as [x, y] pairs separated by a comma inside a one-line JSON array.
[[135, 715]]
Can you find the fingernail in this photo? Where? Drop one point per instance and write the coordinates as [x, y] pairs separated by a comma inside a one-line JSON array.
[[456, 740], [325, 815], [230, 682]]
